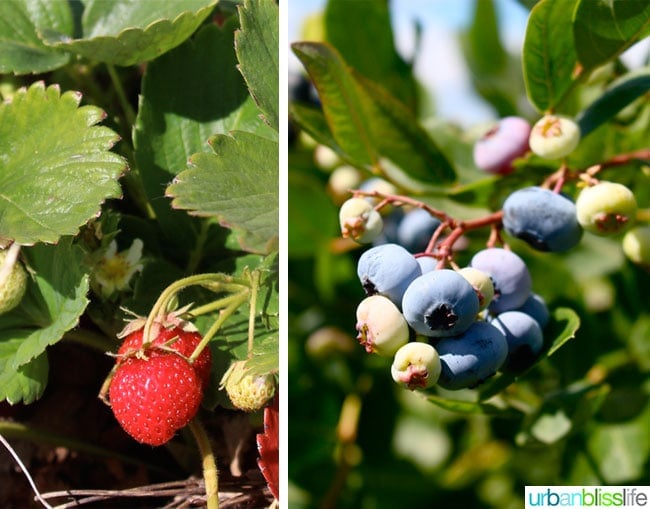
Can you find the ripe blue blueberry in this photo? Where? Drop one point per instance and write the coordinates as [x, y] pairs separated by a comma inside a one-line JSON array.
[[427, 263], [415, 230], [535, 306], [512, 282], [391, 223], [524, 337], [495, 151], [440, 303], [387, 270], [544, 219], [472, 357]]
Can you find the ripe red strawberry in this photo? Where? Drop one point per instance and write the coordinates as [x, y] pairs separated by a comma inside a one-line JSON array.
[[154, 397], [184, 342]]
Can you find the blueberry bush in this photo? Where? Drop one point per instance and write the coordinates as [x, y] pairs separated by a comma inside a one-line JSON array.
[[139, 238], [468, 305]]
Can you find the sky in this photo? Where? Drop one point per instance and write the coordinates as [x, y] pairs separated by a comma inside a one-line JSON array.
[[441, 21]]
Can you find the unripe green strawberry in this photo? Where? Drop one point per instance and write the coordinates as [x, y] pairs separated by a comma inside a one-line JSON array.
[[554, 136], [416, 366], [360, 221], [12, 291], [606, 208], [247, 392]]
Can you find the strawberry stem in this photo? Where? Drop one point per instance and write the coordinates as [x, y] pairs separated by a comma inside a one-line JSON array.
[[210, 473], [215, 282], [223, 316], [255, 285]]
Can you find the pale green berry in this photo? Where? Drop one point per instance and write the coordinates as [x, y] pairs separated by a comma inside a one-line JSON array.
[[381, 326], [247, 392], [482, 284], [636, 245], [606, 208], [554, 136], [416, 366], [325, 158], [12, 291], [360, 221], [341, 181]]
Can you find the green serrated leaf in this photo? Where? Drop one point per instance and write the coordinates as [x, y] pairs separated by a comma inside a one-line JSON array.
[[603, 29], [128, 32], [25, 383], [51, 307], [619, 94], [257, 50], [549, 57], [21, 49], [55, 164], [238, 184], [367, 123], [178, 113]]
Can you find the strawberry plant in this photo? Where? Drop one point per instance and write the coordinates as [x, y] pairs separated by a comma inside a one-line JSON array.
[[138, 242], [499, 338]]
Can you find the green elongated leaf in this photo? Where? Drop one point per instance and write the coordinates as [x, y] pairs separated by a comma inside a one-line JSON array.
[[469, 407], [55, 167], [51, 307], [257, 50], [367, 123], [131, 31], [342, 20], [603, 29], [549, 57], [178, 113], [313, 122], [619, 94], [21, 49], [238, 184]]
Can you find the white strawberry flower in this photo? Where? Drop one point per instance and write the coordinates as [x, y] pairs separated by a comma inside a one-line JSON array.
[[115, 270]]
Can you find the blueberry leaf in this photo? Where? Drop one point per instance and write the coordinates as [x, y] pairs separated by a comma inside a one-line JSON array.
[[257, 51], [617, 96], [56, 168], [21, 49], [54, 301], [127, 33], [469, 407], [367, 122], [603, 29], [237, 184], [549, 57]]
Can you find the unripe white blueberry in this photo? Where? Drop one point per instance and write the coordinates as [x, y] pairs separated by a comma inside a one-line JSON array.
[[325, 158], [636, 245], [482, 284], [360, 221], [416, 366], [554, 136], [382, 328], [606, 208], [13, 289], [341, 181]]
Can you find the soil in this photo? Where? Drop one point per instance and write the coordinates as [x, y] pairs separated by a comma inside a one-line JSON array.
[[69, 441]]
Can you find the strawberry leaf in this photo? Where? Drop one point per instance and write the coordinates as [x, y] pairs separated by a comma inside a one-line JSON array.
[[257, 51], [127, 33], [52, 306], [21, 49], [55, 169], [267, 445], [238, 184]]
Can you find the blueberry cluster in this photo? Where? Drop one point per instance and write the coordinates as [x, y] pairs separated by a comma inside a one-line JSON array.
[[455, 328]]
